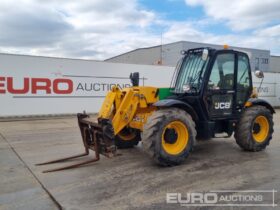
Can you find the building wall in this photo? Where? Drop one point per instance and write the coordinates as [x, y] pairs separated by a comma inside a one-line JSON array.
[[171, 53], [31, 85], [150, 56], [257, 57], [275, 64]]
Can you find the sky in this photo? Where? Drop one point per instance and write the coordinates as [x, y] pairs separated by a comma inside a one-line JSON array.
[[100, 29]]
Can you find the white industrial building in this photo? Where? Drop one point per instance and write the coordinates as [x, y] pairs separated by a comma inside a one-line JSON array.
[[274, 63], [169, 54], [55, 86]]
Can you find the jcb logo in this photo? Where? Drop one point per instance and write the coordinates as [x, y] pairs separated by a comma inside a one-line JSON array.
[[222, 105]]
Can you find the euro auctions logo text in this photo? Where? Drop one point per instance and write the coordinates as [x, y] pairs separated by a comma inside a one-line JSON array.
[[60, 86], [249, 198], [34, 85]]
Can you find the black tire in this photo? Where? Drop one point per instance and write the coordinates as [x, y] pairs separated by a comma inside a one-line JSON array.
[[129, 142], [245, 128], [154, 130]]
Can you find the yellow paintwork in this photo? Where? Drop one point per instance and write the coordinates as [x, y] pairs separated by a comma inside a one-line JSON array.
[[125, 107], [141, 117], [126, 111], [106, 107], [264, 129], [254, 93], [182, 138], [248, 104]]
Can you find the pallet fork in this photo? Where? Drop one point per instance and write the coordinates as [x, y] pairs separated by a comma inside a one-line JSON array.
[[93, 139]]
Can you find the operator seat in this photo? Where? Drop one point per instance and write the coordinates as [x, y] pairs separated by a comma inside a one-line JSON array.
[[226, 82]]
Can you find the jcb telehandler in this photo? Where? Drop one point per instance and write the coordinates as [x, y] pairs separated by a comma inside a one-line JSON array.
[[211, 94]]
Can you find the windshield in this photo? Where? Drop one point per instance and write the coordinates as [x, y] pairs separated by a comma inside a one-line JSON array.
[[189, 75]]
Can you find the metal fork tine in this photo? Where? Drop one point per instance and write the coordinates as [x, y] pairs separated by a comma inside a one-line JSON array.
[[71, 166], [62, 159], [97, 157], [91, 132]]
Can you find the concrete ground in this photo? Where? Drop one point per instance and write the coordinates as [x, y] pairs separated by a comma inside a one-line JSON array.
[[130, 181]]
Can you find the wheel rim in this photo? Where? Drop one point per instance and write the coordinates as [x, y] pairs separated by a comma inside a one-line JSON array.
[[175, 142], [127, 135], [260, 129]]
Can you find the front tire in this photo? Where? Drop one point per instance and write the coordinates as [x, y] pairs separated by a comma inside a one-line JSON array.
[[254, 129], [169, 136]]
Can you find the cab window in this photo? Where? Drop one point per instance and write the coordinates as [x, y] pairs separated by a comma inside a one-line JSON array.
[[243, 79], [222, 75]]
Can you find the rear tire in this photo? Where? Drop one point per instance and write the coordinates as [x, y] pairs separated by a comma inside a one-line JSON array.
[[254, 129], [165, 148], [127, 138]]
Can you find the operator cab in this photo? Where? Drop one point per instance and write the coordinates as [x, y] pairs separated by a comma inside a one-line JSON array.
[[215, 83]]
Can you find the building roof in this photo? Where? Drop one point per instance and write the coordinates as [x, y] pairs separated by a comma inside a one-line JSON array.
[[173, 43]]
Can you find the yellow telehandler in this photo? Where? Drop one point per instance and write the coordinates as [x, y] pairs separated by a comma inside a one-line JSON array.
[[211, 94]]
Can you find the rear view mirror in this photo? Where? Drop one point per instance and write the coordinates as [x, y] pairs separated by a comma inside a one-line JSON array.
[[204, 55], [259, 74]]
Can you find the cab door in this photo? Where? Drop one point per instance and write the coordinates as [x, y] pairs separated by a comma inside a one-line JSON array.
[[243, 81], [220, 94]]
